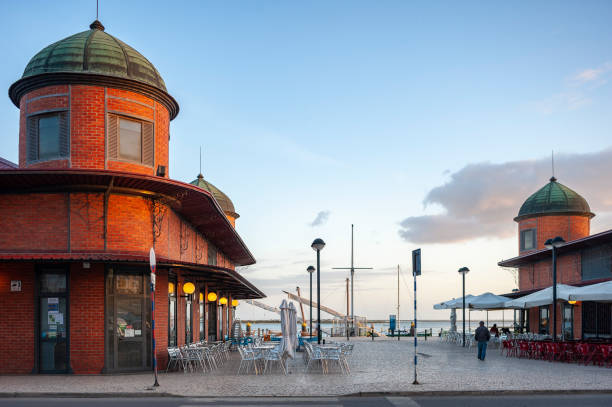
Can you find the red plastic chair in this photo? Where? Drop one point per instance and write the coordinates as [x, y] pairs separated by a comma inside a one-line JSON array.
[[506, 346], [606, 351], [569, 352], [539, 351], [523, 349], [583, 353], [557, 351]]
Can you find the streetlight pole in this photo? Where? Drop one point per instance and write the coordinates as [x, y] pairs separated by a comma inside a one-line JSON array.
[[318, 245], [463, 271], [553, 244], [310, 270]]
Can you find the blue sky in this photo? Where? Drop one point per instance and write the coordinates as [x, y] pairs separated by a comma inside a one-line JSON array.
[[360, 109]]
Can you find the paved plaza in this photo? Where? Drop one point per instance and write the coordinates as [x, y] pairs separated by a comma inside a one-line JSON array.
[[382, 366]]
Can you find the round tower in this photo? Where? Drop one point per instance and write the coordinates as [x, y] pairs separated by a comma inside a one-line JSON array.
[[554, 210], [90, 101], [222, 199]]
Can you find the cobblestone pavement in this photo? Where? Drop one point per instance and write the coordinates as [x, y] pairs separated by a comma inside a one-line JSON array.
[[384, 365]]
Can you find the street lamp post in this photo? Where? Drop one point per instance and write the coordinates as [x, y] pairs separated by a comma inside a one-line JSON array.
[[310, 270], [464, 271], [318, 245], [554, 244]]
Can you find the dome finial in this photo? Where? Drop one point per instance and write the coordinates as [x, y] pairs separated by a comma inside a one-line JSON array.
[[553, 179], [96, 25]]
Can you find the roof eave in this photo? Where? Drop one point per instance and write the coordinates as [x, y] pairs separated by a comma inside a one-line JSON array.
[[30, 83], [245, 258], [519, 218]]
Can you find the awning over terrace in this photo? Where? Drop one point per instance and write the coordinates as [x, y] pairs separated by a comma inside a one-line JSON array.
[[601, 292], [542, 297], [217, 278], [486, 301]]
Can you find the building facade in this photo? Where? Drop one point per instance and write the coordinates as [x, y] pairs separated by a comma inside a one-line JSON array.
[[90, 196], [556, 210]]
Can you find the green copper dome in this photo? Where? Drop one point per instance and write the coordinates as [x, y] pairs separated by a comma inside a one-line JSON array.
[[95, 51], [554, 199], [223, 200], [93, 57]]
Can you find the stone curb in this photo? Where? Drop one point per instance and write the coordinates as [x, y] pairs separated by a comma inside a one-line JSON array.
[[438, 393], [432, 393]]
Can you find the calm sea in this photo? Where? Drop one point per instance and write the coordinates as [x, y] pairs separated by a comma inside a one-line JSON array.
[[435, 326]]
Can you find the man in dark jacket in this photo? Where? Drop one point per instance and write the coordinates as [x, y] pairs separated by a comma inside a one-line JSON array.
[[482, 337]]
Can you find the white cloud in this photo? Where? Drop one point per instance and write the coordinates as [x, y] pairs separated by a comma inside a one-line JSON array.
[[321, 219], [480, 200], [560, 102], [593, 74]]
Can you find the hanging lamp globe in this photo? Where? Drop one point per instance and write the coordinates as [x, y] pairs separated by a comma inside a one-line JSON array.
[[212, 297], [188, 288], [234, 303], [223, 301]]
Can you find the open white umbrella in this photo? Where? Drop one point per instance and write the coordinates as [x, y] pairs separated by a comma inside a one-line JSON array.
[[458, 302], [488, 301], [542, 297], [595, 292]]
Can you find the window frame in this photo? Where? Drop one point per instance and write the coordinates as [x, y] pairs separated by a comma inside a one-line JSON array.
[[33, 135], [533, 232], [113, 139], [542, 327]]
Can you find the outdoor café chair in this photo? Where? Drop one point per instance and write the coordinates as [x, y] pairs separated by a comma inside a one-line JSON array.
[[270, 356], [174, 358]]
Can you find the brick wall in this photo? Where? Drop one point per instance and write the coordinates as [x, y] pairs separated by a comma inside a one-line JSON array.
[[547, 227], [17, 318], [34, 222], [161, 318], [87, 140], [88, 106], [87, 318]]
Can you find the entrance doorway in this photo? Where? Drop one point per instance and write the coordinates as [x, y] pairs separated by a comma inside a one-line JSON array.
[[128, 316], [212, 321], [53, 323]]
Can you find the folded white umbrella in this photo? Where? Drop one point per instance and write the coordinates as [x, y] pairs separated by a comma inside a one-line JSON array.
[[542, 297], [487, 301], [594, 292], [285, 328]]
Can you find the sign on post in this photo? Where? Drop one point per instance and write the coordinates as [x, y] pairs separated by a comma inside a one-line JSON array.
[[416, 271], [392, 323], [152, 264], [416, 262]]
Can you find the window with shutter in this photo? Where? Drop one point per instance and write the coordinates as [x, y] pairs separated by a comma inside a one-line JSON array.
[[130, 140], [48, 136]]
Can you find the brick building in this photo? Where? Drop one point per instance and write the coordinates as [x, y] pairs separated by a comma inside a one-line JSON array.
[[90, 196], [556, 210]]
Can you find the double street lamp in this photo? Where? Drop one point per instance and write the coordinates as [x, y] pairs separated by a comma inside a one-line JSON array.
[[310, 270], [554, 244], [318, 245], [463, 271]]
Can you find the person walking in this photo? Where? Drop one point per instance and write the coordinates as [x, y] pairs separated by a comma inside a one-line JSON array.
[[482, 336]]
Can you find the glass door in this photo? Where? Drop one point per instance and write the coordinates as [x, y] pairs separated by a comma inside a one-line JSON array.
[[212, 321], [568, 321], [128, 320], [53, 322], [188, 321]]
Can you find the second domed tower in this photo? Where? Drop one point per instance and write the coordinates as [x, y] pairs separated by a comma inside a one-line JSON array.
[[554, 210], [222, 199]]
